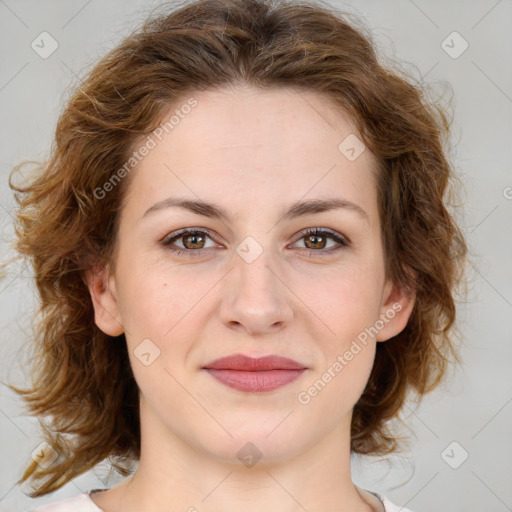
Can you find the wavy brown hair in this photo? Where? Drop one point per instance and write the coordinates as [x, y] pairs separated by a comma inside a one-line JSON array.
[[81, 377]]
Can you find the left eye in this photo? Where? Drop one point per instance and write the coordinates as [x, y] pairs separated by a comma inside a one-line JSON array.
[[320, 236], [193, 240]]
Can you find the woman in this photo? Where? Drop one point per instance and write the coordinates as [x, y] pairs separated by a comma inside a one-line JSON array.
[[245, 264]]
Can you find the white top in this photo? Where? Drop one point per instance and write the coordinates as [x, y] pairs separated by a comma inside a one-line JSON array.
[[84, 503]]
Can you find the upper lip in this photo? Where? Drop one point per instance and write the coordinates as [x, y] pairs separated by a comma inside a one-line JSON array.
[[246, 363]]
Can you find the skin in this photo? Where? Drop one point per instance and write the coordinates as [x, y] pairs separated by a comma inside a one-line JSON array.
[[253, 152]]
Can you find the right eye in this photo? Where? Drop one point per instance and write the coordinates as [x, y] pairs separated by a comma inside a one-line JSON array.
[[193, 237]]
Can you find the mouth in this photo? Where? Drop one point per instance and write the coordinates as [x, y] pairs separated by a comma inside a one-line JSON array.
[[255, 375]]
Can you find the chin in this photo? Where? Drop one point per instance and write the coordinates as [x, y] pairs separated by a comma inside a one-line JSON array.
[[257, 443]]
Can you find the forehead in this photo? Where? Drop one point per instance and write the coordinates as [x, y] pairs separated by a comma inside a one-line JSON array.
[[262, 146], [248, 116]]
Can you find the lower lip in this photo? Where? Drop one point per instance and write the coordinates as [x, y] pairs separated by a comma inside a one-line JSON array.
[[255, 381]]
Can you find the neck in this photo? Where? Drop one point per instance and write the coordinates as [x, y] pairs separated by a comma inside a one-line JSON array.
[[172, 475]]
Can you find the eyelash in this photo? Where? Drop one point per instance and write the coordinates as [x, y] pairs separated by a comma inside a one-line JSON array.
[[343, 241]]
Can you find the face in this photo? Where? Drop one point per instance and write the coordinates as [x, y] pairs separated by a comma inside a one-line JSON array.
[[254, 282]]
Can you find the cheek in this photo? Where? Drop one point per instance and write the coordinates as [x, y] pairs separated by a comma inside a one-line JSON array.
[[348, 304], [154, 297], [161, 324], [163, 310], [348, 300], [347, 352]]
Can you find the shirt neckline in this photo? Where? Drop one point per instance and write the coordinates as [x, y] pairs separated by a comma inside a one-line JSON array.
[[382, 505], [380, 500], [88, 494]]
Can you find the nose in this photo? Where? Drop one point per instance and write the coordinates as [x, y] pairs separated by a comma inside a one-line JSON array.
[[256, 298]]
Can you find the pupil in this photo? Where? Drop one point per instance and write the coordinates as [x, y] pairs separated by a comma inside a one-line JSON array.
[[315, 237], [194, 239]]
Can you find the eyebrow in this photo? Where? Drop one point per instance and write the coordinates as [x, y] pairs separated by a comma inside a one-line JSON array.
[[297, 209]]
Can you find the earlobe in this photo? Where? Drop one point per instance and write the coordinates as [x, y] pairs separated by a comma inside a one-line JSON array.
[[103, 294], [395, 311]]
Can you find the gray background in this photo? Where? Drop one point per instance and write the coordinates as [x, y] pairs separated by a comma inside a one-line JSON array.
[[474, 407]]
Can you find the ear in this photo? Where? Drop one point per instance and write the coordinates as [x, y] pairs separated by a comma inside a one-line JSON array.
[[396, 309], [103, 293]]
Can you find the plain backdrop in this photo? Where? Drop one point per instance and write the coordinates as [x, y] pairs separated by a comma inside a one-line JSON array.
[[460, 456]]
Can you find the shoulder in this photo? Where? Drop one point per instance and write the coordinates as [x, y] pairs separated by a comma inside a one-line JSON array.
[[83, 503], [80, 503], [385, 504], [391, 507]]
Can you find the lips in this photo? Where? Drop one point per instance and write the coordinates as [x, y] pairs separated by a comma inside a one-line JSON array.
[[254, 375], [245, 363]]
